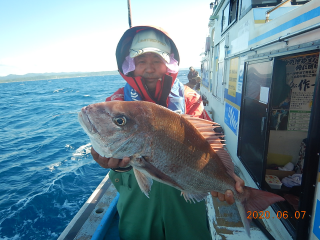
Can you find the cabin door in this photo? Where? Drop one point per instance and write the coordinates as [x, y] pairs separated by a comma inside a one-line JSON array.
[[253, 137]]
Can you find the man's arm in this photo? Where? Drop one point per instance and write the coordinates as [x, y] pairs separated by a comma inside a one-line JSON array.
[[189, 76], [117, 96], [194, 104]]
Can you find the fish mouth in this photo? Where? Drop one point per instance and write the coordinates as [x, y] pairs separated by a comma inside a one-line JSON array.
[[85, 121]]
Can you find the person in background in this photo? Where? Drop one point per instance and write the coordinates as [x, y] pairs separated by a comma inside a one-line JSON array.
[[192, 74], [148, 61]]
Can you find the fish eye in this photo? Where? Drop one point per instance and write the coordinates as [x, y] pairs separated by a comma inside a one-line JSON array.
[[120, 121]]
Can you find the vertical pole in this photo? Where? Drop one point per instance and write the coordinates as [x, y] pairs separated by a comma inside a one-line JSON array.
[[129, 13]]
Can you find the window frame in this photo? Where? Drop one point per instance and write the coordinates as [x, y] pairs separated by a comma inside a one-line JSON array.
[[242, 14], [219, 70], [229, 24], [222, 19]]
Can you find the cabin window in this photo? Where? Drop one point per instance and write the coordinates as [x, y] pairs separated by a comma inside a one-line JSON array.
[[222, 51], [265, 3], [212, 62], [245, 7], [215, 70], [233, 11], [218, 85], [229, 15], [225, 17], [205, 73], [298, 2]]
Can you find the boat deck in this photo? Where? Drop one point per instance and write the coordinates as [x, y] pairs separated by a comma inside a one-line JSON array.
[[98, 217]]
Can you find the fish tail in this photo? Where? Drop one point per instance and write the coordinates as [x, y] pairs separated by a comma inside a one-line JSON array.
[[254, 200]]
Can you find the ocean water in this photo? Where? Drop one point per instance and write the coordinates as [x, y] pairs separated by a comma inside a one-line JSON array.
[[46, 169]]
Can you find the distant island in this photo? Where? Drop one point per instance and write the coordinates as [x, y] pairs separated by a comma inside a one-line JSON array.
[[47, 76]]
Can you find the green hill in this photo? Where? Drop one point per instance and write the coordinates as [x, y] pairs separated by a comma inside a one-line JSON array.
[[47, 76]]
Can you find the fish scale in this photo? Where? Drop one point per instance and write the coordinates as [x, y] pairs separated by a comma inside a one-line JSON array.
[[189, 169]]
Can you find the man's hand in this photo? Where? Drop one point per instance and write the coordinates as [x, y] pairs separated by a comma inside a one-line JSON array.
[[109, 162], [228, 195]]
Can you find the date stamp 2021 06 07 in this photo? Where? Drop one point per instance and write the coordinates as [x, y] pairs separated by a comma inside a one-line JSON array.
[[284, 215]]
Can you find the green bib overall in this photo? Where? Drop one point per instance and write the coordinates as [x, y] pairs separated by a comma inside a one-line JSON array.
[[164, 215]]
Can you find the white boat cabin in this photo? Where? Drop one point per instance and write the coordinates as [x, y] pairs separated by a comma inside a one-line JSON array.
[[260, 75]]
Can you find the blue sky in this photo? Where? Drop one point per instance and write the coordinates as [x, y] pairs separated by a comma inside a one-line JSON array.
[[38, 36]]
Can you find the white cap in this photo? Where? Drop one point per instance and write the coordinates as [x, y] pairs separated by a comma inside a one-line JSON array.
[[150, 41]]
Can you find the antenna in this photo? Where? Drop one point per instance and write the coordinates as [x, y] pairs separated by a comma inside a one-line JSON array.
[[129, 13]]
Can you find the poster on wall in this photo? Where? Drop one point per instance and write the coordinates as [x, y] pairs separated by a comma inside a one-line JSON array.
[[232, 97], [233, 74], [231, 117], [301, 76]]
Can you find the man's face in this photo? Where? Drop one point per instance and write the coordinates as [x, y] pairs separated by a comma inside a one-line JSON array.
[[151, 67]]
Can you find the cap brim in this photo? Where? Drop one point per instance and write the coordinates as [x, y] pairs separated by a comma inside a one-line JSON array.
[[135, 53]]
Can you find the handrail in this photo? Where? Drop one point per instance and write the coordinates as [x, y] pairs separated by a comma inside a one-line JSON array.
[[280, 39], [274, 8]]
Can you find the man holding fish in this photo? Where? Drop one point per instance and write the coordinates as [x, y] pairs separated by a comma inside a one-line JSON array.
[[148, 60]]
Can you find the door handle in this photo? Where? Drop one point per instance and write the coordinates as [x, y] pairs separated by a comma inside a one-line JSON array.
[[263, 123]]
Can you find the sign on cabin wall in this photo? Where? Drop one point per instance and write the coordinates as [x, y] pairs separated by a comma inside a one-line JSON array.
[[231, 117], [218, 87], [233, 72], [232, 98], [300, 76]]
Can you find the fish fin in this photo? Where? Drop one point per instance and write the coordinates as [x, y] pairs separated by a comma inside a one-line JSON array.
[[258, 200], [144, 182], [150, 171], [194, 196], [198, 120], [254, 200], [213, 133]]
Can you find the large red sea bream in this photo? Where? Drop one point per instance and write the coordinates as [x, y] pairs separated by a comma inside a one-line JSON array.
[[179, 150]]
